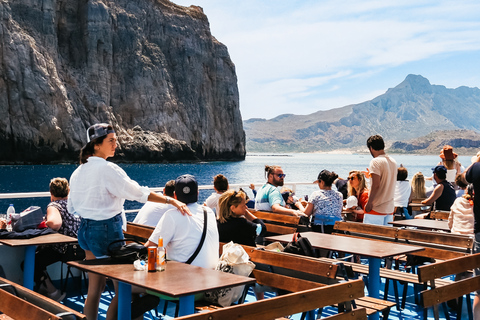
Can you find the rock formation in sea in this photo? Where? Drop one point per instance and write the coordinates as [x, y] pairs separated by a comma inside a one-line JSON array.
[[149, 67]]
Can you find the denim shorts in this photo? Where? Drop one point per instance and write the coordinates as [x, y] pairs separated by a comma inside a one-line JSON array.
[[476, 249], [96, 235]]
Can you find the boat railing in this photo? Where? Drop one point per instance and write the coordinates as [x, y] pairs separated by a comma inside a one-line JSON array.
[[245, 186]]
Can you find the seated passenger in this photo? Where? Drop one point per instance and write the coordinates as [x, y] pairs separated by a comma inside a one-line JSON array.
[[59, 219], [357, 187], [461, 220], [235, 223], [442, 196], [269, 198], [291, 201], [182, 233], [326, 204], [220, 185], [151, 212]]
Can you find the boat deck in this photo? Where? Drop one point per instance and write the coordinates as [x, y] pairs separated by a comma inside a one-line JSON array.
[[76, 301]]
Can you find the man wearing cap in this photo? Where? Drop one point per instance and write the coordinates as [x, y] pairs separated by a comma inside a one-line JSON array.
[[444, 194], [269, 197], [182, 234], [383, 173]]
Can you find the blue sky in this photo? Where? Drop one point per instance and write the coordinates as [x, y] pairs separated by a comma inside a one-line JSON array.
[[304, 56]]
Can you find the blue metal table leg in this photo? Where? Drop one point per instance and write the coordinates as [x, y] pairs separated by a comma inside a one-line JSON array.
[[374, 282], [124, 301], [311, 315], [29, 267], [187, 305]]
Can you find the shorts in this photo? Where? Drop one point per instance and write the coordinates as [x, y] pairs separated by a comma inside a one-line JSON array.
[[96, 235], [476, 249], [377, 219]]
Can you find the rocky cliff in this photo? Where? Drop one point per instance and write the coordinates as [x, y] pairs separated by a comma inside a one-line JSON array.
[[414, 108], [149, 67]]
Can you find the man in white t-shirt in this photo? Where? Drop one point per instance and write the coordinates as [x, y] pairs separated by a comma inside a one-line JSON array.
[[383, 173], [220, 184], [182, 233], [151, 212]]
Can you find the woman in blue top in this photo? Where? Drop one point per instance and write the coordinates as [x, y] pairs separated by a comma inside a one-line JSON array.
[[326, 204]]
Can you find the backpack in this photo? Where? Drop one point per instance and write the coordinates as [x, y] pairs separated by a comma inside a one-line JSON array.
[[300, 245]]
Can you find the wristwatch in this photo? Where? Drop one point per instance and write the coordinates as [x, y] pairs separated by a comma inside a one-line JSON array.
[[167, 199]]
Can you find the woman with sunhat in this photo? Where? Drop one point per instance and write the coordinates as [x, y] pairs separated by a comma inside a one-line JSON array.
[[98, 189], [449, 160]]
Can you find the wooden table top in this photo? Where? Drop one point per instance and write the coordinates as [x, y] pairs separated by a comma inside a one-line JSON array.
[[178, 279], [363, 247], [52, 238], [428, 224]]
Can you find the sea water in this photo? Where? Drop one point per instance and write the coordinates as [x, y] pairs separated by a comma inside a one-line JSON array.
[[298, 167]]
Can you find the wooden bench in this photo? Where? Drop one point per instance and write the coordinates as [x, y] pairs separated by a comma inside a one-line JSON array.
[[278, 223], [299, 272], [20, 303], [139, 232], [300, 301], [439, 294], [439, 246], [439, 215]]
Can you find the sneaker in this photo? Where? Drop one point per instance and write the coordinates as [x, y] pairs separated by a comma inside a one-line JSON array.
[[140, 305], [57, 295]]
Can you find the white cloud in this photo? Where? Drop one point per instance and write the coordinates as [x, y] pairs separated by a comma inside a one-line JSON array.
[[296, 55]]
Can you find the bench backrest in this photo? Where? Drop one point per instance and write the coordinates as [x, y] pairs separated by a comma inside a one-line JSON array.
[[437, 245], [439, 215], [454, 290], [292, 303], [278, 223], [27, 304], [138, 231]]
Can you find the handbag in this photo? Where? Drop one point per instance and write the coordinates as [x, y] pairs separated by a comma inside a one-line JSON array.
[[234, 260], [29, 218], [300, 245], [127, 253], [202, 240]]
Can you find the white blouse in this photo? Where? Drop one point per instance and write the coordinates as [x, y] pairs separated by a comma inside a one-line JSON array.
[[98, 190]]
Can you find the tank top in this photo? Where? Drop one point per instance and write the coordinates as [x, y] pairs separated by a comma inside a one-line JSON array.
[[446, 199]]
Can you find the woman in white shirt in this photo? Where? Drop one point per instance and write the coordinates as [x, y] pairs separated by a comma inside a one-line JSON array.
[[98, 189]]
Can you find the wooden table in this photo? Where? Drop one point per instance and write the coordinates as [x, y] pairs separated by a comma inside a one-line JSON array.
[[374, 250], [426, 224], [179, 280], [30, 248]]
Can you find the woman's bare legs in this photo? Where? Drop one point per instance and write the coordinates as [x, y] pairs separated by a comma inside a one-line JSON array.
[[96, 286], [113, 307]]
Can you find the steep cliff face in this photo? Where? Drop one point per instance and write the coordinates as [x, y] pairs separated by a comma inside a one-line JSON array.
[[149, 67]]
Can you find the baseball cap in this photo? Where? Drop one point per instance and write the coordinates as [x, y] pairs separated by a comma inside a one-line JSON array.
[[186, 189], [352, 201], [98, 130], [440, 168], [323, 175]]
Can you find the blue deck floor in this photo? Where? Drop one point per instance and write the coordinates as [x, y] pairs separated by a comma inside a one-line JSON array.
[[76, 301]]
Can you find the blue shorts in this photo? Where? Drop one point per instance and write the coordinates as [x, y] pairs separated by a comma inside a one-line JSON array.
[[96, 235]]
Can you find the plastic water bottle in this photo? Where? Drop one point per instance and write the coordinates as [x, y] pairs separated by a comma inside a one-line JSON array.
[[10, 213]]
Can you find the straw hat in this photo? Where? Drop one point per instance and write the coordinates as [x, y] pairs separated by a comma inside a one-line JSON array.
[[447, 153]]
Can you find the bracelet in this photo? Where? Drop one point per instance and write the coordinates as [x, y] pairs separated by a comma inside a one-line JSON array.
[[167, 199]]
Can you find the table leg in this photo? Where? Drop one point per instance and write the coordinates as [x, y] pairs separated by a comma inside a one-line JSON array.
[[29, 267], [187, 305], [374, 282], [124, 301]]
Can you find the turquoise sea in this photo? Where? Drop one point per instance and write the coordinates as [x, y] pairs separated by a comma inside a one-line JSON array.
[[299, 167]]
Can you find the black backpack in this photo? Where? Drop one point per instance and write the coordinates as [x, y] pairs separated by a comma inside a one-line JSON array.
[[300, 245]]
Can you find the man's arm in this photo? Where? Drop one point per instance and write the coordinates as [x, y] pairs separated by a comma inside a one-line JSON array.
[[279, 209], [437, 192], [373, 191]]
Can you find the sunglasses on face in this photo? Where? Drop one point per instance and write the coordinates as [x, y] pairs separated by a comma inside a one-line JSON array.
[[351, 178], [281, 175]]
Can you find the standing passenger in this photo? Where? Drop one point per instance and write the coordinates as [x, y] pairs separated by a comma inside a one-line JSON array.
[[98, 189], [383, 173], [403, 190]]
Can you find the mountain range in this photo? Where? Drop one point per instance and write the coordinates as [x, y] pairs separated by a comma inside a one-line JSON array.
[[414, 109]]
